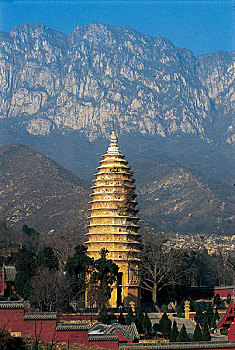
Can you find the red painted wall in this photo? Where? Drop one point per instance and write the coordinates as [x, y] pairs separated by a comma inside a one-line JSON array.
[[110, 345], [223, 292], [77, 317], [47, 328], [14, 321], [231, 332], [13, 318], [210, 292], [79, 337]]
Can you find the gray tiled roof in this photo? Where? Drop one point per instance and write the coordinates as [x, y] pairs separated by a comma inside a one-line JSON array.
[[179, 346], [11, 305], [129, 332], [72, 326], [40, 316], [9, 273]]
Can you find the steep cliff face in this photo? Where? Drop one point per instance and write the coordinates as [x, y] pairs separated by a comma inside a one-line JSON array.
[[101, 77]]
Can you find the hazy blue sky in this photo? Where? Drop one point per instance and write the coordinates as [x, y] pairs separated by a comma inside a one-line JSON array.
[[202, 26]]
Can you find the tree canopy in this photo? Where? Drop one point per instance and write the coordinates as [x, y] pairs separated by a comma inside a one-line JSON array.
[[47, 259], [25, 270], [102, 276], [76, 268]]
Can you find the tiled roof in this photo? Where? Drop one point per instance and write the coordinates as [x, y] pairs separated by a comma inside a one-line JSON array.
[[72, 326], [11, 305], [179, 346], [102, 337], [129, 332], [9, 273], [40, 316]]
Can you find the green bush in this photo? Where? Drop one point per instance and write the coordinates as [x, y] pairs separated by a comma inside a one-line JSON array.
[[163, 308]]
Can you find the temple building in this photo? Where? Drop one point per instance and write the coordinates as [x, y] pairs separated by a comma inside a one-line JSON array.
[[113, 223]]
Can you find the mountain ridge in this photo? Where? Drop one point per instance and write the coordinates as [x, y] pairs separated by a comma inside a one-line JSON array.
[[99, 76]]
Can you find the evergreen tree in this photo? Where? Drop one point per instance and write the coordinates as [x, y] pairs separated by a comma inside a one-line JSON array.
[[197, 335], [25, 270], [47, 259], [174, 332], [208, 316], [76, 269], [165, 325], [104, 274], [213, 322], [29, 231], [217, 300], [205, 333], [156, 327], [183, 335], [30, 238], [146, 322], [129, 317], [199, 315], [103, 316], [121, 318], [217, 315], [112, 317], [139, 321], [229, 298]]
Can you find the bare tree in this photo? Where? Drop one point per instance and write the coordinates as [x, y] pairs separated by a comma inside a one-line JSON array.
[[50, 291], [64, 242], [162, 267]]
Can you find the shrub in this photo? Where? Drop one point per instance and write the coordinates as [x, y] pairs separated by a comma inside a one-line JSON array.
[[163, 308]]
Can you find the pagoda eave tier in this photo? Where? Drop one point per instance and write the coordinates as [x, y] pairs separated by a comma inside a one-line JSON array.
[[113, 172], [125, 195], [105, 216], [111, 209], [110, 180], [116, 251], [115, 233], [114, 241], [126, 226], [113, 155], [114, 201], [111, 185]]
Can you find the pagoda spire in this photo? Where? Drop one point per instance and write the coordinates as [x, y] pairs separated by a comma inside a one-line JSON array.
[[113, 222]]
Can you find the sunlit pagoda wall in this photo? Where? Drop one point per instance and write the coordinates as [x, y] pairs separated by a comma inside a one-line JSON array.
[[113, 223]]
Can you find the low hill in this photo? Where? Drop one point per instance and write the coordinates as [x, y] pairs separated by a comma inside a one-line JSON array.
[[38, 192], [176, 199]]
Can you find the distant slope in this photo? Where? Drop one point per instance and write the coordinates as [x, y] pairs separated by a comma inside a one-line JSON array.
[[38, 192], [175, 199]]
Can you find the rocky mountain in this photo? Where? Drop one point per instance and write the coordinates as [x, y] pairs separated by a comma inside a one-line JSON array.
[[62, 94], [38, 192], [101, 77]]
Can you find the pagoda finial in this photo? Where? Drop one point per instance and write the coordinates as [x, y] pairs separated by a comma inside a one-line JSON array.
[[113, 147], [113, 139]]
